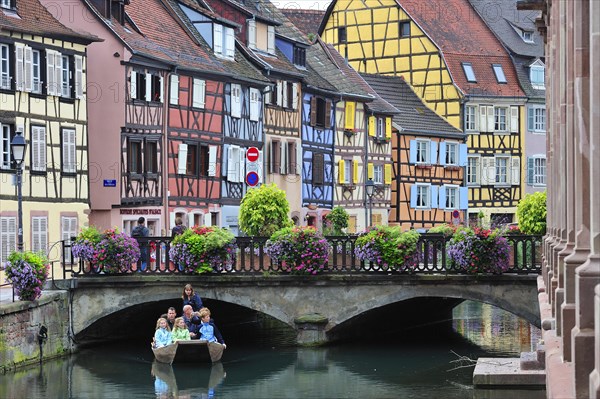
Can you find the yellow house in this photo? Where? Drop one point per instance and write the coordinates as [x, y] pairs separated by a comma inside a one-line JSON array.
[[452, 61], [42, 97]]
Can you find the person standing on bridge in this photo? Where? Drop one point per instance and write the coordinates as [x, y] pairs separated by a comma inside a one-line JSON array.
[[191, 298], [142, 231]]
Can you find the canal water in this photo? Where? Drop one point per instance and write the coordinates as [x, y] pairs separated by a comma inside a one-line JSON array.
[[436, 364]]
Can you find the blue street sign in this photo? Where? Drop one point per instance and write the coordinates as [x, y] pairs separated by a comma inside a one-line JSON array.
[[252, 178], [110, 183]]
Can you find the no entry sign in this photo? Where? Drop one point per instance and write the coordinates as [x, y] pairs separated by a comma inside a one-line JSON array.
[[252, 154], [252, 178]]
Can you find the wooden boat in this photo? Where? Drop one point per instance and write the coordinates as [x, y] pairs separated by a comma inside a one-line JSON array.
[[194, 351]]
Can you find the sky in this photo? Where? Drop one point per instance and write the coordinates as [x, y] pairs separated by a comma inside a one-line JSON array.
[[302, 4]]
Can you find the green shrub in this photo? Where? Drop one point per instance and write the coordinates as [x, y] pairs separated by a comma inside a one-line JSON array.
[[264, 210], [531, 213]]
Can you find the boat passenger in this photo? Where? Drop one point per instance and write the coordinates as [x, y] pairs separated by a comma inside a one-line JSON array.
[[190, 297], [192, 321], [162, 335], [180, 332], [208, 329], [170, 317]]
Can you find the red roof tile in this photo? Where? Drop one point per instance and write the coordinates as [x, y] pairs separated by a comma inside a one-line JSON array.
[[32, 17], [464, 37]]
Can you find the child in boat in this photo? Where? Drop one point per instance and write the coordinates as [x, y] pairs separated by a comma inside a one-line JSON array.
[[190, 297], [162, 335], [180, 331], [208, 329]]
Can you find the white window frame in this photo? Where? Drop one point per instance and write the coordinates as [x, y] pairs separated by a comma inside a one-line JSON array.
[[536, 69], [69, 150], [471, 118], [502, 172], [451, 155], [452, 197], [199, 93], [423, 146], [252, 33], [8, 237], [5, 3], [499, 73], [527, 36], [539, 170], [38, 148], [473, 172], [5, 139], [65, 90], [469, 72], [218, 39], [501, 122], [536, 119], [423, 190], [348, 166], [5, 76], [378, 174], [380, 127], [271, 39], [229, 42], [39, 234]]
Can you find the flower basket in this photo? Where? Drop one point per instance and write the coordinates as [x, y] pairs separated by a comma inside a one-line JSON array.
[[27, 272], [299, 250], [109, 252], [388, 248], [479, 251], [203, 249]]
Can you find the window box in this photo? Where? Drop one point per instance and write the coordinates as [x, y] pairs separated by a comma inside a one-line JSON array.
[[380, 140], [349, 132], [452, 167], [423, 166], [348, 187]]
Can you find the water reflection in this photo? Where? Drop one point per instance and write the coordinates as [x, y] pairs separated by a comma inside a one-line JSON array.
[[415, 367]]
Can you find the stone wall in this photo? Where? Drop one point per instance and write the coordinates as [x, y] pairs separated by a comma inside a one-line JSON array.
[[20, 324]]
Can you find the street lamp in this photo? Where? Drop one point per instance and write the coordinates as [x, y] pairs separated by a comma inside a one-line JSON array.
[[18, 145], [369, 188]]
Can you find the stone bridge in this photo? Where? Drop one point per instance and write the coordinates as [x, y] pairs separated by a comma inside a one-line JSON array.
[[316, 306]]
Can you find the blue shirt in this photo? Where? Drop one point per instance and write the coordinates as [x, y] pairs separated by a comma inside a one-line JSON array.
[[207, 332], [162, 337]]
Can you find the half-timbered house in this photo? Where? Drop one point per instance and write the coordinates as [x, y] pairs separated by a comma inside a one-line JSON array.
[[428, 156], [275, 47], [362, 141], [456, 65], [223, 106], [517, 31], [43, 75]]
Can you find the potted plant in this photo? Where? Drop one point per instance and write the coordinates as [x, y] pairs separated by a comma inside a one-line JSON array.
[[84, 246], [479, 250], [116, 252], [388, 248], [299, 250], [27, 272], [203, 249]]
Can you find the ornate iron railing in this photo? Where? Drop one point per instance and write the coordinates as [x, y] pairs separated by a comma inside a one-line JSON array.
[[251, 257]]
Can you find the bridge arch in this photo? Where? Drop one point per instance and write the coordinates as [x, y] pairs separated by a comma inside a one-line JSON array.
[[285, 298]]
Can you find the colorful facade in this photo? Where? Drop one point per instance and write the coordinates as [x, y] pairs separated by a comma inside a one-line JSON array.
[[43, 77], [460, 70]]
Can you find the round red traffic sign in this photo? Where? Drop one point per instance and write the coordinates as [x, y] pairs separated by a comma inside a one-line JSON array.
[[252, 154], [455, 214], [252, 178]]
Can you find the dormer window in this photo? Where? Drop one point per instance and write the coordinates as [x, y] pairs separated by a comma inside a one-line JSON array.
[[299, 56], [527, 36], [499, 72], [469, 73], [223, 41], [257, 39], [537, 72], [7, 3]]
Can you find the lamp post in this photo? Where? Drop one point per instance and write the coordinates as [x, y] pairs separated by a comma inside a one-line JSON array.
[[18, 146], [369, 187]]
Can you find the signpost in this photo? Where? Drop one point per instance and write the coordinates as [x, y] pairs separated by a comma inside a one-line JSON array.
[[252, 154], [455, 217], [252, 178]]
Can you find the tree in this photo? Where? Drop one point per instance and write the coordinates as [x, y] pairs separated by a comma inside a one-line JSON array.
[[264, 210], [338, 218], [531, 213]]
